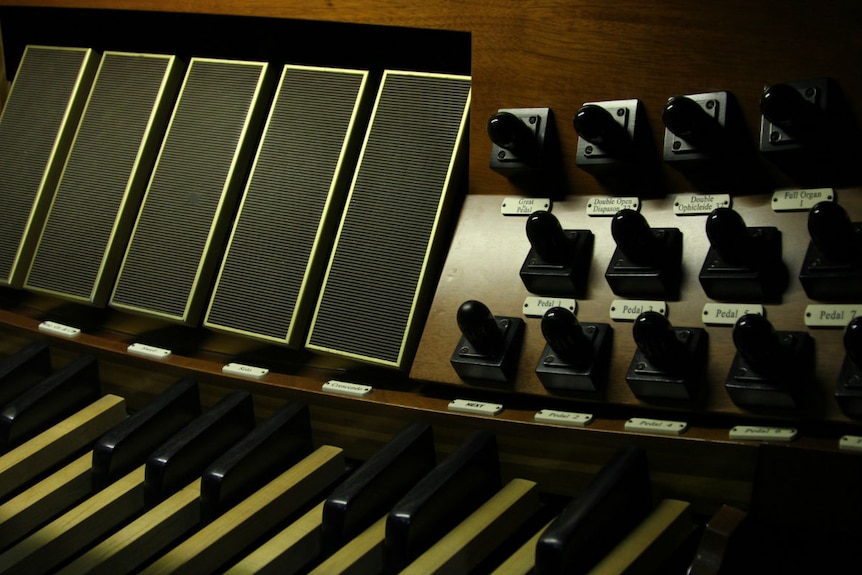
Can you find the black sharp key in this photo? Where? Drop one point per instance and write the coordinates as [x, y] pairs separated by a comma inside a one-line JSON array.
[[128, 445], [274, 445], [459, 485], [375, 487], [189, 452], [59, 395], [23, 369], [613, 503]]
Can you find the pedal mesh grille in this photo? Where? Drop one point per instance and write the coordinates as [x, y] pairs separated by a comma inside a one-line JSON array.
[[79, 228], [161, 270], [30, 127], [376, 273], [270, 253]]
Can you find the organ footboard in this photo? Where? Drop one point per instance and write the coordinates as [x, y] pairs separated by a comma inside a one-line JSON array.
[[378, 287]]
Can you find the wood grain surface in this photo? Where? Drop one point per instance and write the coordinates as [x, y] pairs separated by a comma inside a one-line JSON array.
[[550, 53]]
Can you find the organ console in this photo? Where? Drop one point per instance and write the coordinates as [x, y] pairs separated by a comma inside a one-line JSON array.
[[341, 342]]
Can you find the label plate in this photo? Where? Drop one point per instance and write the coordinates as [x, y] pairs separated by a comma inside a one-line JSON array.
[[831, 315], [699, 204], [569, 418], [728, 313], [55, 328], [537, 306], [630, 309], [850, 443], [477, 407], [758, 433], [792, 200], [347, 388], [609, 206], [514, 206], [657, 426], [149, 351], [244, 370]]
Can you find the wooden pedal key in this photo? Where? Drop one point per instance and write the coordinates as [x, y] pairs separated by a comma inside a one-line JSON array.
[[64, 392], [607, 510], [167, 471], [330, 531], [52, 421], [213, 546], [274, 445], [117, 452], [23, 369], [461, 483]]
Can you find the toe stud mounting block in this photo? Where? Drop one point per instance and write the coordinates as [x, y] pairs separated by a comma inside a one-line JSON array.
[[490, 345]]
